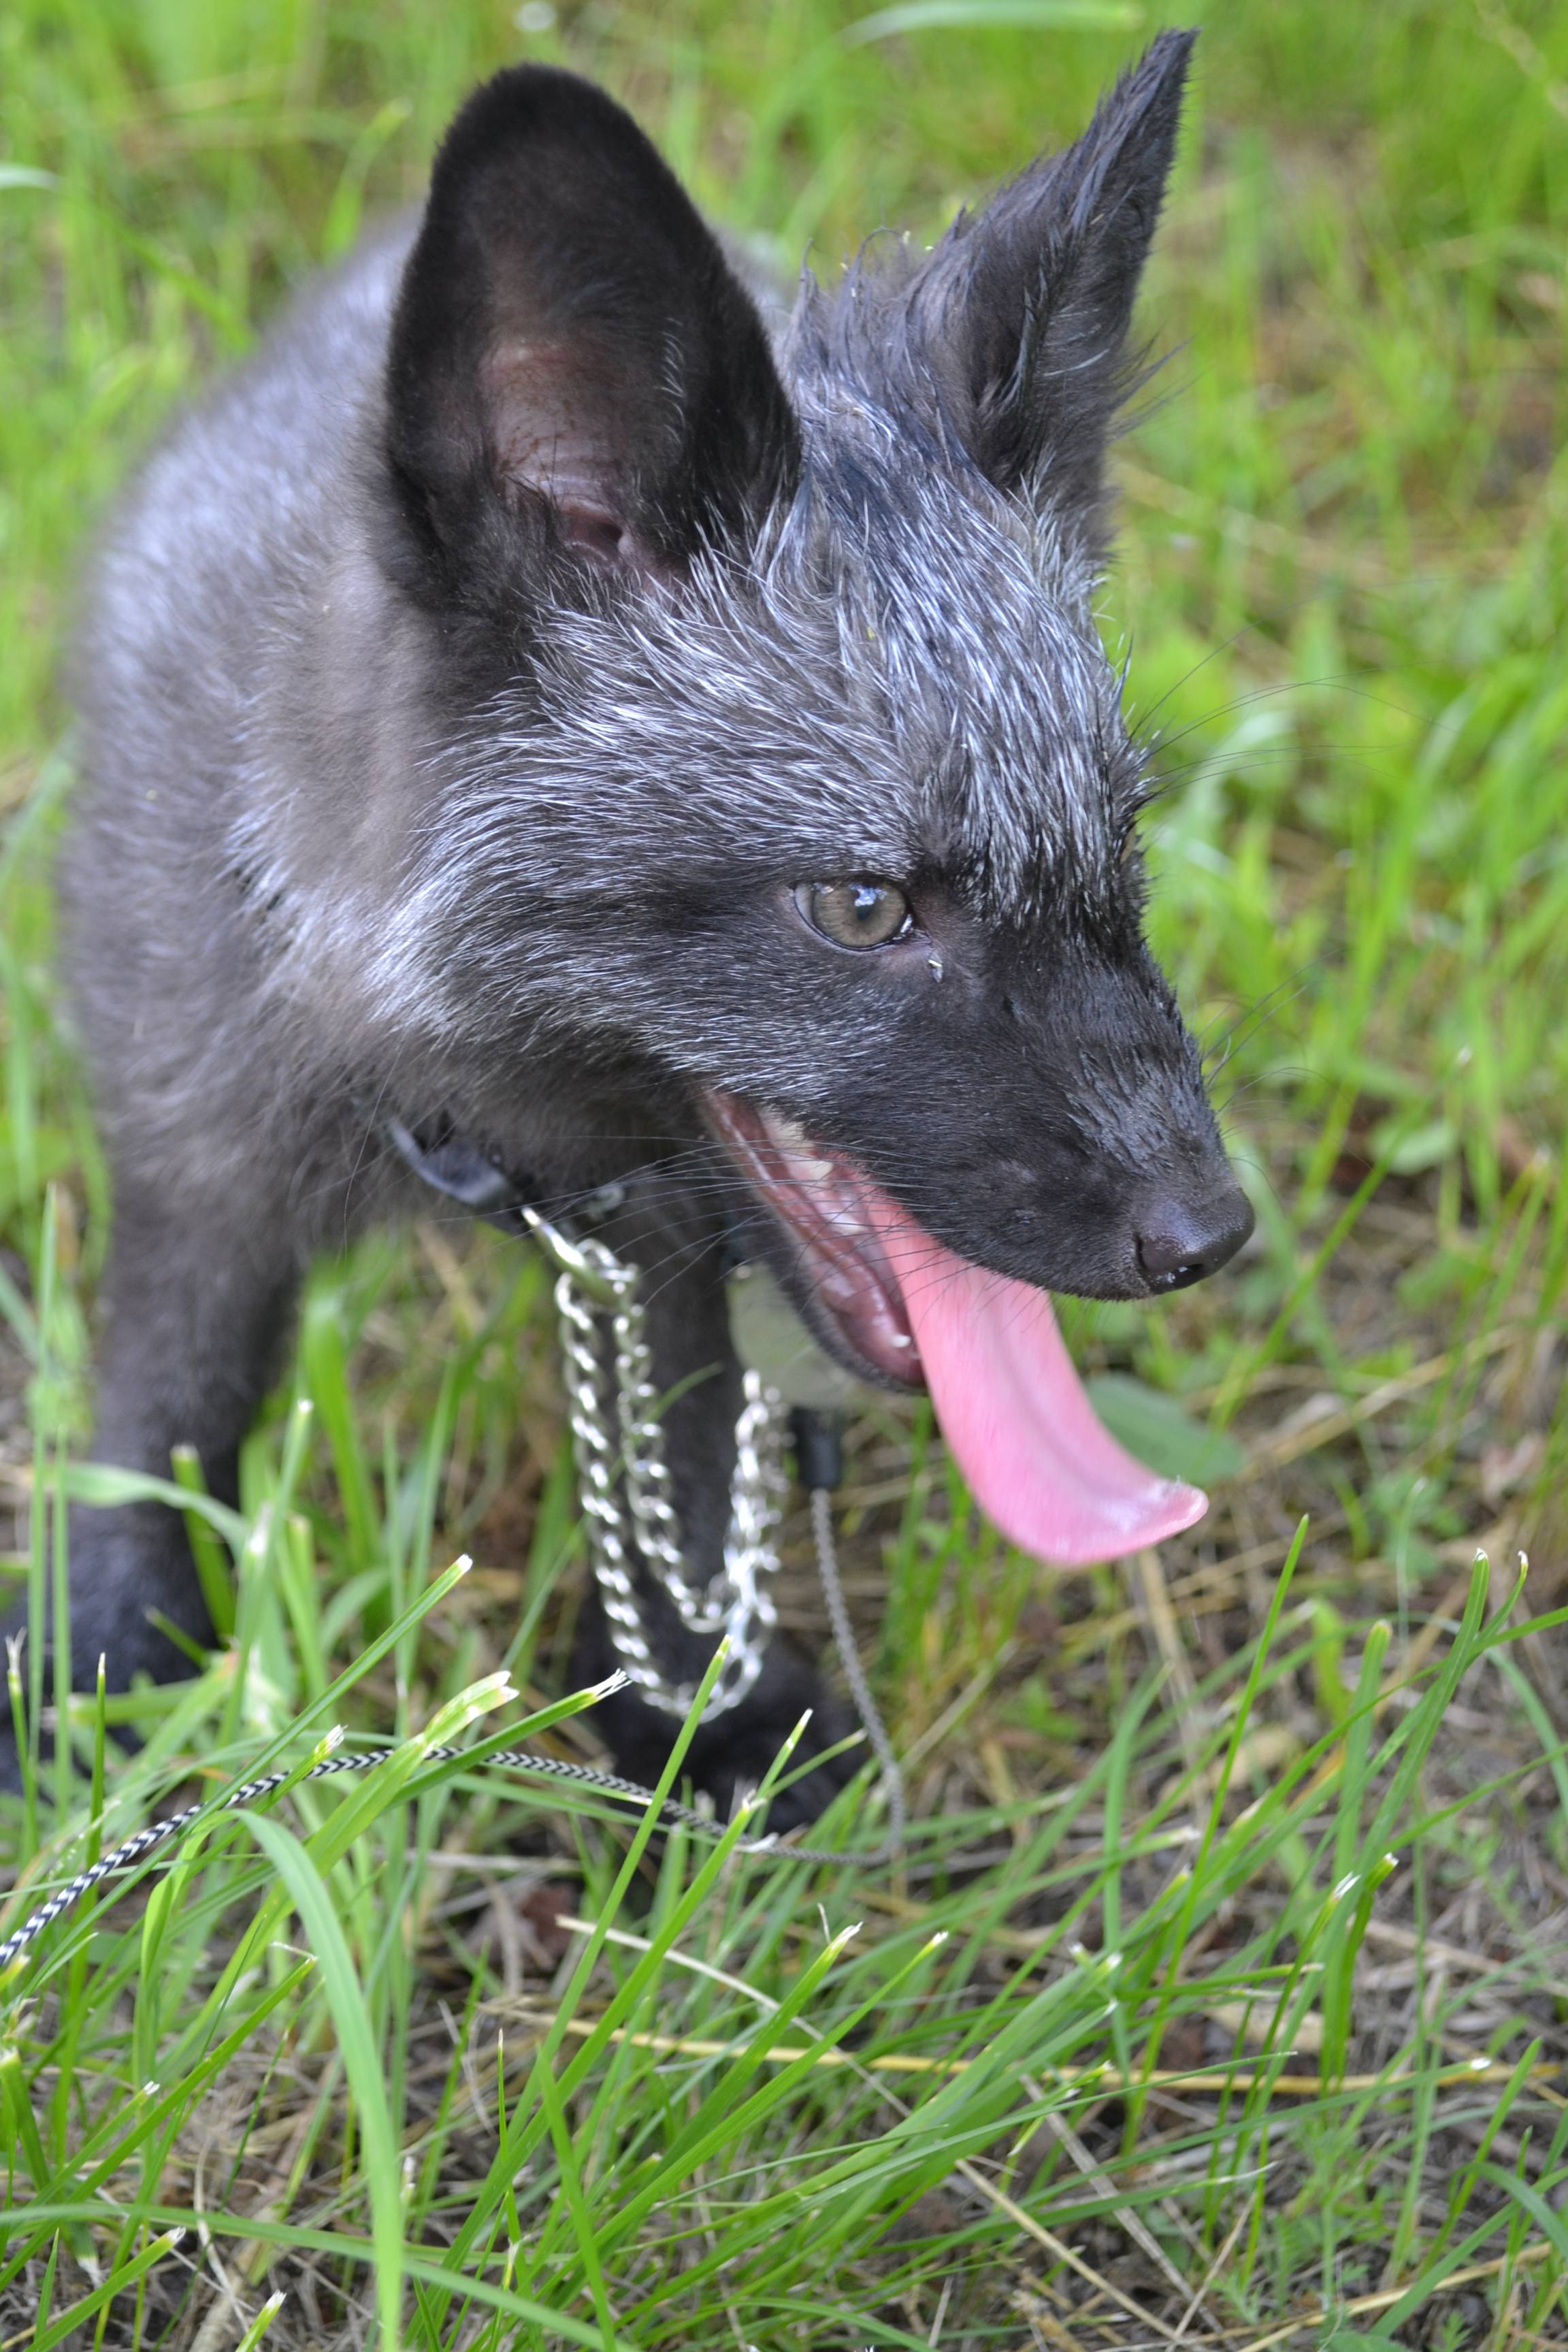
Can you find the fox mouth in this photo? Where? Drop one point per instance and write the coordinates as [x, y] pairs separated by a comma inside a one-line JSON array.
[[916, 1314], [829, 1210]]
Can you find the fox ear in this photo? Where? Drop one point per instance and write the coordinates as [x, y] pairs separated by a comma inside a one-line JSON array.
[[572, 368], [1021, 314]]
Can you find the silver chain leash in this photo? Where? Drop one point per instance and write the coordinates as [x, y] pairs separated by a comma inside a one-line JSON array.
[[618, 1443]]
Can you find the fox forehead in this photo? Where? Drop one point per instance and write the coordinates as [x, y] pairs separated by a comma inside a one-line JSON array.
[[905, 677], [968, 616]]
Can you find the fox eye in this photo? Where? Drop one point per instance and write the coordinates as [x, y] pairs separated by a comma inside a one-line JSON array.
[[858, 914]]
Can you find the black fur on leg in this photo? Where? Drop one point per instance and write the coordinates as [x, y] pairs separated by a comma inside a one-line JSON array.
[[730, 1755], [130, 1573]]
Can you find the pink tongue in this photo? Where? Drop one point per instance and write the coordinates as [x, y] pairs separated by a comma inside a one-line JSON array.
[[1038, 1460]]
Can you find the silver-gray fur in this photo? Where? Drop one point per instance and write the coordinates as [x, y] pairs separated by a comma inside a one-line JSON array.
[[466, 686]]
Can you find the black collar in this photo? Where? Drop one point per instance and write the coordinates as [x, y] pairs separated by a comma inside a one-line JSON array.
[[462, 1169]]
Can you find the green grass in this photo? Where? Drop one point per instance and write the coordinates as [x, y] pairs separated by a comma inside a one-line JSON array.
[[1146, 2040]]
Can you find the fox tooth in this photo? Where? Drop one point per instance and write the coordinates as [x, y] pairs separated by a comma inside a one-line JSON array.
[[788, 1136], [788, 1133]]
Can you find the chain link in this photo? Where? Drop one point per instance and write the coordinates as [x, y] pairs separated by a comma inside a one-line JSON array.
[[618, 1443]]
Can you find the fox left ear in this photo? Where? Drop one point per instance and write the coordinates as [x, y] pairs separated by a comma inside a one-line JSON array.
[[1021, 314]]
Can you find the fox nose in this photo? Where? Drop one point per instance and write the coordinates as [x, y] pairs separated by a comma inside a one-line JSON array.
[[1184, 1244]]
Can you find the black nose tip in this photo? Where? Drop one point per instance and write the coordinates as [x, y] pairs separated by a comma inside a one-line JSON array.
[[1184, 1245]]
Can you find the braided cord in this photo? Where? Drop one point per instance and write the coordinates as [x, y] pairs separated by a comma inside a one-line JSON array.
[[144, 1841]]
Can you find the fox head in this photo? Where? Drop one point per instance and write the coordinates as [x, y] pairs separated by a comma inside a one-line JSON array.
[[779, 761]]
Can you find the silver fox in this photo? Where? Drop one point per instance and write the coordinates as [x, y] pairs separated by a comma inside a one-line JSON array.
[[534, 711]]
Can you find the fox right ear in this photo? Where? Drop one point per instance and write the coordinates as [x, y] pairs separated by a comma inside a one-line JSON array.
[[573, 369]]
